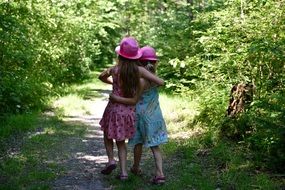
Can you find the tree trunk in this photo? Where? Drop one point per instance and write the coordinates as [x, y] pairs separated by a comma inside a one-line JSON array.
[[241, 96]]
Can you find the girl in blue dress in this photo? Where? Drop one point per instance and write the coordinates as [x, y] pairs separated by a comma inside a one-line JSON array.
[[150, 125]]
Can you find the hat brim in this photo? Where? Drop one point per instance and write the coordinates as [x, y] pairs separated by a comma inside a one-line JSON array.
[[149, 59], [137, 56]]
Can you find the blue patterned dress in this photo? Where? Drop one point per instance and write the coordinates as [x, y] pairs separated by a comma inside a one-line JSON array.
[[150, 125]]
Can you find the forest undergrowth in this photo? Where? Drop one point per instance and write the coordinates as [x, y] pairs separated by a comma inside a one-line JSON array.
[[194, 157]]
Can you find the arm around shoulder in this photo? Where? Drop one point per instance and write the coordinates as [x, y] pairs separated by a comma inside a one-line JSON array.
[[150, 76], [129, 101]]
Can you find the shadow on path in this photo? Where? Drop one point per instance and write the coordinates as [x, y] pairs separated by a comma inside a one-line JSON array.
[[86, 155], [93, 93]]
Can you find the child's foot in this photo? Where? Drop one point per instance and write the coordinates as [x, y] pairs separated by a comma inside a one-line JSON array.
[[136, 171], [109, 168], [158, 180]]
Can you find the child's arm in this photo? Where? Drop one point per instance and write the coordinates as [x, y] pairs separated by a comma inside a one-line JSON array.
[[105, 76], [148, 75], [129, 101]]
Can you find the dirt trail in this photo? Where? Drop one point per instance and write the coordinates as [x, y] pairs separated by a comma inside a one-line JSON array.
[[86, 156]]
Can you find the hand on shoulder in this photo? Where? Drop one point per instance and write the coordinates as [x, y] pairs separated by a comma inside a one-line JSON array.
[[144, 73]]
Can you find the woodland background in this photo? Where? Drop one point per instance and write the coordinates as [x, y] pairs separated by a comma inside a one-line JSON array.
[[204, 46]]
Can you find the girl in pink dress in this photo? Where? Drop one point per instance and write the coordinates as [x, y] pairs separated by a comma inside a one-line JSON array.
[[119, 119]]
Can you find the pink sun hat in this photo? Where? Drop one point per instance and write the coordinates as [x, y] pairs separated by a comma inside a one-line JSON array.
[[148, 54], [129, 48]]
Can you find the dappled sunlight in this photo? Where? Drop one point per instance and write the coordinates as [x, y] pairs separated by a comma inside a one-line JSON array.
[[74, 108], [40, 131], [222, 63], [187, 134], [179, 113], [35, 134], [67, 150], [244, 166], [96, 159], [74, 105], [85, 154], [96, 135], [80, 119]]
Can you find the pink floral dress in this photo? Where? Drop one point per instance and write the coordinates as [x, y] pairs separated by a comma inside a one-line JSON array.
[[118, 119]]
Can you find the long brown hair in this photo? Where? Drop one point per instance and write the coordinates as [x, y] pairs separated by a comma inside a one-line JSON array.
[[129, 76]]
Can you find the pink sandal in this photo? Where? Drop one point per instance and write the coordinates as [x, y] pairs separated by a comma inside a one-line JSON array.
[[122, 177], [158, 180]]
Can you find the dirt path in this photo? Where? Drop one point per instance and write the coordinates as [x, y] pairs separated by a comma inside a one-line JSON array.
[[65, 150], [85, 156]]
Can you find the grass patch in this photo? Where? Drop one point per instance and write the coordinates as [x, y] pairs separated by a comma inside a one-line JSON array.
[[89, 88], [15, 124], [32, 159], [223, 166], [72, 105], [179, 113], [36, 163], [195, 158], [78, 98]]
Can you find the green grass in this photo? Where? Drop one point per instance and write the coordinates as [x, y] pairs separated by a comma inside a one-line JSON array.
[[194, 157], [37, 163], [15, 124], [189, 166], [78, 97], [44, 141], [179, 113], [41, 142], [75, 99], [223, 166]]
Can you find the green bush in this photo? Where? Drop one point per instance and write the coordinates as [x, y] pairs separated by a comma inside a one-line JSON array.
[[47, 44]]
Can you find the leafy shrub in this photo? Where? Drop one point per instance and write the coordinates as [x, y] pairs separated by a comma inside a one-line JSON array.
[[45, 45]]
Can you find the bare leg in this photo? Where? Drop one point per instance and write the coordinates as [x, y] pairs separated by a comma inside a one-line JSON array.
[[158, 161], [137, 157], [109, 145], [111, 165], [122, 154]]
